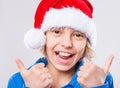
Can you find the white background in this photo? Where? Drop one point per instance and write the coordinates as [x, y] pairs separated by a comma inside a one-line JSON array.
[[16, 18]]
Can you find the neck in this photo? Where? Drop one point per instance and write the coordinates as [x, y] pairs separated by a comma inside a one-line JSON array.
[[60, 78]]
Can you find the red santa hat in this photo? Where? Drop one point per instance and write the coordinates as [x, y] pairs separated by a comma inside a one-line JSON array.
[[76, 14]]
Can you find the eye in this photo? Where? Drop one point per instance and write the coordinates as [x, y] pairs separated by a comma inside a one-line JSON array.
[[78, 35], [56, 31]]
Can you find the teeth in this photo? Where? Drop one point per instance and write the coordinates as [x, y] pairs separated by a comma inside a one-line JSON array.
[[64, 54]]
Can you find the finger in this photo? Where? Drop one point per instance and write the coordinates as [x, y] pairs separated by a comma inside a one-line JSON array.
[[20, 65], [39, 65], [48, 83], [86, 67], [108, 64], [38, 68], [39, 71], [80, 73], [45, 76]]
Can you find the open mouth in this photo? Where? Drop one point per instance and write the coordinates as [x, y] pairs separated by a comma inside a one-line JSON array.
[[64, 57]]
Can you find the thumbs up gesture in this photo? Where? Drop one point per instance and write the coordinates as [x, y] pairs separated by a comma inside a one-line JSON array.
[[92, 75], [37, 77]]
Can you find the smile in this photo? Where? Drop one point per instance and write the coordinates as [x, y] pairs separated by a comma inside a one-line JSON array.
[[64, 55]]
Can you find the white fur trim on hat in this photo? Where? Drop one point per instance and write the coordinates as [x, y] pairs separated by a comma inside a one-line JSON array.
[[34, 38], [70, 17]]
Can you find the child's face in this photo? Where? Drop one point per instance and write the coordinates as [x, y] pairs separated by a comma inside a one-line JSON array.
[[64, 47]]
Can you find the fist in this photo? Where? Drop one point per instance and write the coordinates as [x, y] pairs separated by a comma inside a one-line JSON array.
[[92, 75], [36, 77]]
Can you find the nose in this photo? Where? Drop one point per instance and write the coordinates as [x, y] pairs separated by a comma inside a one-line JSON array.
[[67, 41]]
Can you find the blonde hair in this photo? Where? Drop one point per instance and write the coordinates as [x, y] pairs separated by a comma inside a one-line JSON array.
[[89, 53]]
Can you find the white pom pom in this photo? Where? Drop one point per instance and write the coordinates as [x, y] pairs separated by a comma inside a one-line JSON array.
[[34, 38]]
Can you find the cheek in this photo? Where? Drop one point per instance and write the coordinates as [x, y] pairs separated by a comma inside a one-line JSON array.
[[80, 47], [51, 42]]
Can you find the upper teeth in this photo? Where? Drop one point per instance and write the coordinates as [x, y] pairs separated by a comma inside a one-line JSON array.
[[64, 54]]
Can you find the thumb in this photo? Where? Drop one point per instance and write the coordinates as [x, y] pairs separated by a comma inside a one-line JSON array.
[[108, 64], [20, 65]]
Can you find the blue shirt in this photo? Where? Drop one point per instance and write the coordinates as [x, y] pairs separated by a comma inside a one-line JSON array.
[[16, 81]]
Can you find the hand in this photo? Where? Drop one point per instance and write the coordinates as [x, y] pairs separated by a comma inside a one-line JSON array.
[[37, 77], [91, 75]]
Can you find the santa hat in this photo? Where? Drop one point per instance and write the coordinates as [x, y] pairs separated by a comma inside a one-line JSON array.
[[76, 14]]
